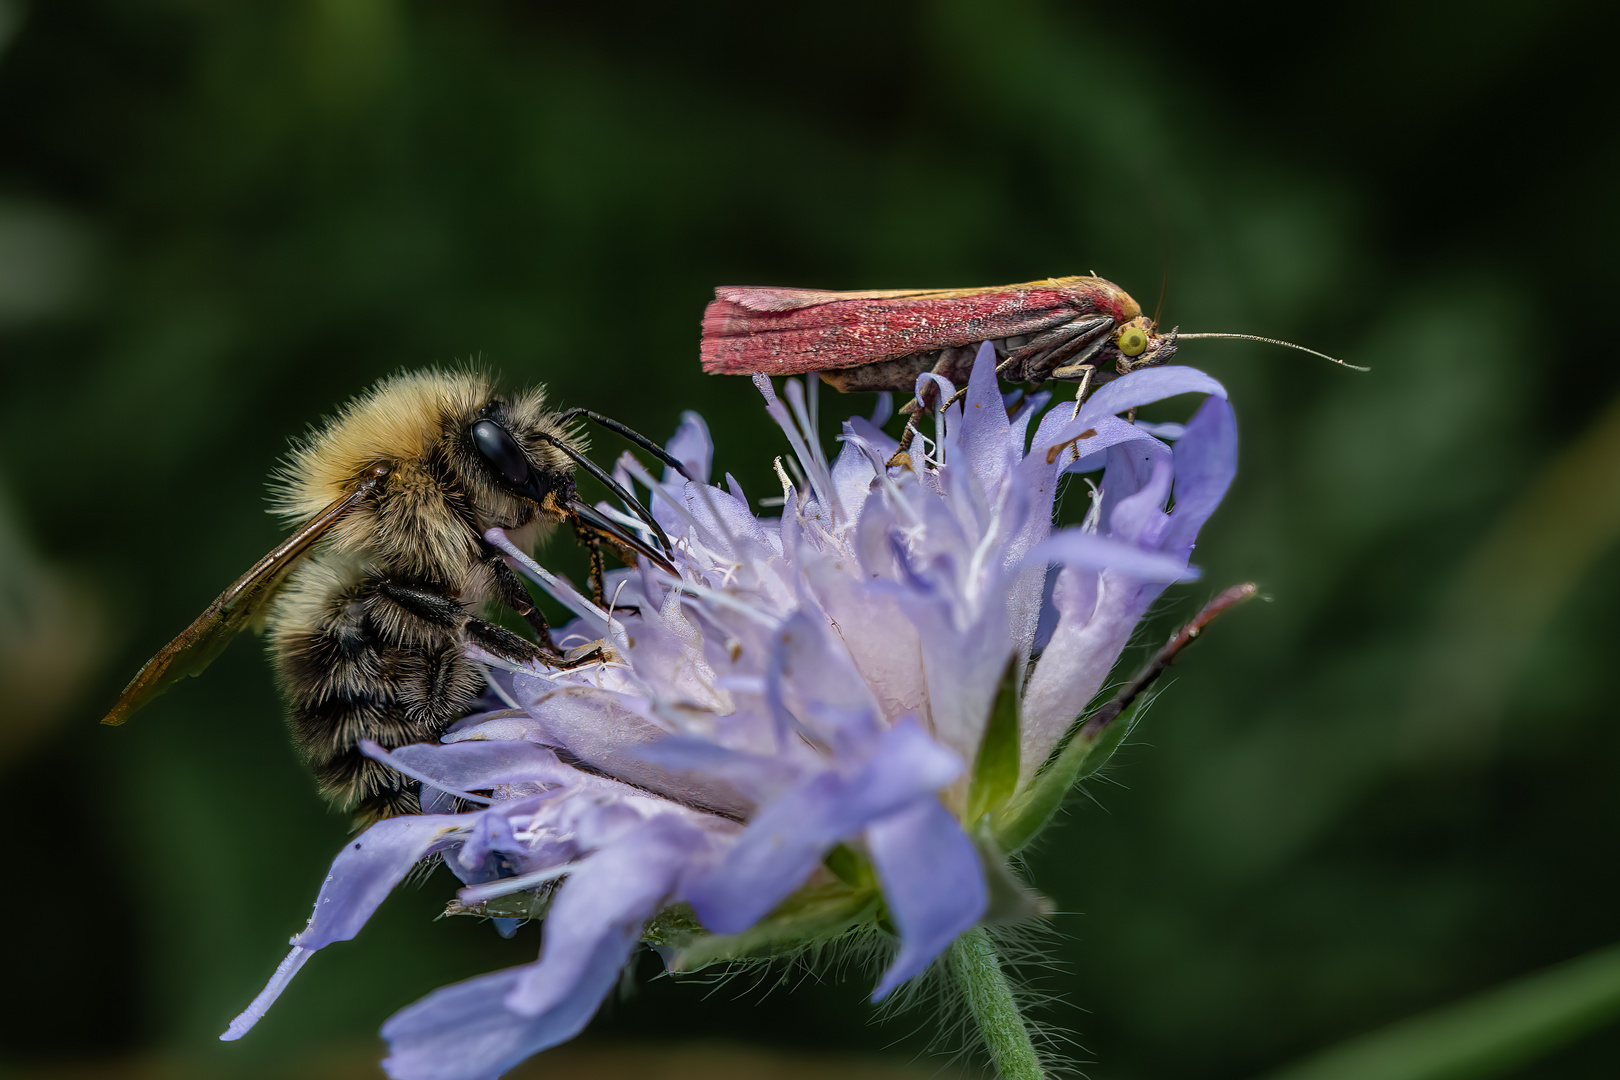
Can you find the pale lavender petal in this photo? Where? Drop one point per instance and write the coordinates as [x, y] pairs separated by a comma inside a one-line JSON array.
[[496, 728], [990, 453], [1206, 462], [362, 876], [852, 477], [1092, 630], [473, 765], [882, 642], [1166, 432], [465, 1031], [1133, 504], [1146, 386], [964, 670], [594, 727], [1075, 547], [720, 515], [812, 678], [1100, 432], [787, 839], [692, 447], [598, 913], [884, 443], [256, 1009], [368, 868], [932, 882], [759, 776]]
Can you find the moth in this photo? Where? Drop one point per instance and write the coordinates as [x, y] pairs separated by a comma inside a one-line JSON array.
[[1059, 328], [1079, 329]]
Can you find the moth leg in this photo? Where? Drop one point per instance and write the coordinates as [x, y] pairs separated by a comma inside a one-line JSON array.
[[955, 364], [515, 595], [1066, 358], [1087, 371], [593, 545], [1034, 361], [910, 432]]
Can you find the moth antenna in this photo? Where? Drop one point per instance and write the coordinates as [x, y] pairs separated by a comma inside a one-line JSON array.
[[1164, 291], [1274, 341]]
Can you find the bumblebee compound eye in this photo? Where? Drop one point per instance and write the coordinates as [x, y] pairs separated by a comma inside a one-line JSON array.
[[496, 445], [1133, 338]]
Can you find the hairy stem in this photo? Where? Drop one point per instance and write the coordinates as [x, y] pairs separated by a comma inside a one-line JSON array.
[[977, 970]]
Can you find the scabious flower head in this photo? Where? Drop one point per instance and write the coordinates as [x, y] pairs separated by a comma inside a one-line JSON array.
[[842, 718]]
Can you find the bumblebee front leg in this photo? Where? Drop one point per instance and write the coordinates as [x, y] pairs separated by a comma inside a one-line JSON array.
[[515, 595], [593, 544]]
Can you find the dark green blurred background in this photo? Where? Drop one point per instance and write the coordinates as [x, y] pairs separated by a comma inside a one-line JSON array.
[[1390, 787]]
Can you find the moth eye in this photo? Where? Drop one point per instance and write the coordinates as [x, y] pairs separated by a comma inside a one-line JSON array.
[[498, 448], [1133, 341]]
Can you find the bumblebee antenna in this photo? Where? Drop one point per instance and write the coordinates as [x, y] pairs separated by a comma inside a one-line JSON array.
[[630, 433], [1272, 340], [614, 486]]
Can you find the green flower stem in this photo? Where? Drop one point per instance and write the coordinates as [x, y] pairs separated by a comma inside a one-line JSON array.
[[977, 970]]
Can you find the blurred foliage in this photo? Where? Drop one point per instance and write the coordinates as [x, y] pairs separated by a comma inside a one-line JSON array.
[[1388, 789], [1488, 1035]]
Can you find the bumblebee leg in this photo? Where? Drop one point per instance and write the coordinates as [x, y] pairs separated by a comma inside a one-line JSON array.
[[502, 642], [515, 595], [431, 607], [446, 612], [593, 544]]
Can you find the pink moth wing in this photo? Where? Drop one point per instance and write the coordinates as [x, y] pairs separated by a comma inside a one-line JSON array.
[[782, 331]]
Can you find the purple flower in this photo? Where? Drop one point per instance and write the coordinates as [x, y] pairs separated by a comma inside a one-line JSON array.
[[792, 739]]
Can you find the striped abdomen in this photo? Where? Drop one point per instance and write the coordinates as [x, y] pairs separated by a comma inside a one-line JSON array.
[[356, 663]]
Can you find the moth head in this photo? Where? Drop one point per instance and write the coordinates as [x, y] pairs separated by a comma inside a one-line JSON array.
[[1132, 338]]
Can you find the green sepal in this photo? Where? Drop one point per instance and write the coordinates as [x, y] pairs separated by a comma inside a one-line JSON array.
[[851, 867], [1077, 755], [809, 917], [995, 767], [675, 927], [1010, 900]]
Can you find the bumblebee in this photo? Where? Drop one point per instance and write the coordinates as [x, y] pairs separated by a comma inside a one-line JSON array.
[[372, 602]]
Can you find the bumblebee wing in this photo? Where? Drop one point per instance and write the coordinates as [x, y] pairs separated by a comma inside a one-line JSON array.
[[236, 607]]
